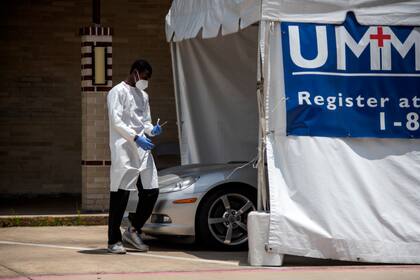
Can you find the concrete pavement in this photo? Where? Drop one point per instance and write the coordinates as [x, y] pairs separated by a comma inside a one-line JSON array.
[[79, 253]]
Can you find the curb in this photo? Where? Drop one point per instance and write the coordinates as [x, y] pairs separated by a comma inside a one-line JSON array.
[[54, 220]]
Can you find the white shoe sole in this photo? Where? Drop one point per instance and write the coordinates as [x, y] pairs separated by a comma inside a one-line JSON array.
[[132, 243], [117, 252]]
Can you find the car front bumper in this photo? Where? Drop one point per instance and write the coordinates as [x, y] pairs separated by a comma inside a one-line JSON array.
[[182, 216]]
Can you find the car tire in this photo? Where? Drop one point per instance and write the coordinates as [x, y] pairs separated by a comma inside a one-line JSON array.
[[222, 217]]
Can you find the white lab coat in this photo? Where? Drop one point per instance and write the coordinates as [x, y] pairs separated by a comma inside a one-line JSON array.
[[129, 115]]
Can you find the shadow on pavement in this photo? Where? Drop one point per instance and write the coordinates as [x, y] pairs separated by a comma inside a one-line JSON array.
[[173, 244], [94, 252], [176, 244], [163, 246], [169, 244]]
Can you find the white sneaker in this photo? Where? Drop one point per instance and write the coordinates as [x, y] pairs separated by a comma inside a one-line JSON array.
[[132, 237], [116, 248]]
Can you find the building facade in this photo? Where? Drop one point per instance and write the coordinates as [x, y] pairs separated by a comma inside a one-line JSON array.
[[42, 103]]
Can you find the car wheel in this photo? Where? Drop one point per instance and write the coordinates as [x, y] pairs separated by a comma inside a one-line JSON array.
[[223, 217]]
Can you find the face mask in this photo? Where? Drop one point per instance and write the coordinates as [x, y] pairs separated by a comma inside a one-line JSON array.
[[141, 84]]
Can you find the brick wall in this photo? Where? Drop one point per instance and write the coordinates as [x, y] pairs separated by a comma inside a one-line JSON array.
[[139, 32], [40, 98]]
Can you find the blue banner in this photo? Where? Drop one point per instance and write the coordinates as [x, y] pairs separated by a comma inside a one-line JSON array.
[[350, 80]]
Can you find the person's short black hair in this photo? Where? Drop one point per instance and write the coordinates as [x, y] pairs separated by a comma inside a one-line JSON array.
[[142, 66]]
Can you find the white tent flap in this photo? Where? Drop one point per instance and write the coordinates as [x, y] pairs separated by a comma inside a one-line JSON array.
[[186, 18], [352, 199], [216, 102]]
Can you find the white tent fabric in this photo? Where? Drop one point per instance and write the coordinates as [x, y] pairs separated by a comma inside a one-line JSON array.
[[215, 93], [340, 198], [352, 199], [186, 18]]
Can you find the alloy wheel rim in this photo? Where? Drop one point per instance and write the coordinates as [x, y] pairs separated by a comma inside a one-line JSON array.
[[227, 218]]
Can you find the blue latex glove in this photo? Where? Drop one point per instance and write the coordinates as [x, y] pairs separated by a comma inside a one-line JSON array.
[[144, 143], [157, 129]]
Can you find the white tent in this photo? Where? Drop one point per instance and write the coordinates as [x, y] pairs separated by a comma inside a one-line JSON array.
[[347, 198]]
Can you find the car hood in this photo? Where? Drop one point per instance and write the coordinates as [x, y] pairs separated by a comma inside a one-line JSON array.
[[172, 174]]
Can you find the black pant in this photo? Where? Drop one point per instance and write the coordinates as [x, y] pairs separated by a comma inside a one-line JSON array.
[[118, 203]]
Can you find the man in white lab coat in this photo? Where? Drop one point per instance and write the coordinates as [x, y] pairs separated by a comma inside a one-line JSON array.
[[132, 164]]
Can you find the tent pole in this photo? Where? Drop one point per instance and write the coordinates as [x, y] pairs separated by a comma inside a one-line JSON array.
[[262, 204]]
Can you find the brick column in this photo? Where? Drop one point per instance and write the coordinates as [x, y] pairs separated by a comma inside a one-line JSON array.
[[95, 146]]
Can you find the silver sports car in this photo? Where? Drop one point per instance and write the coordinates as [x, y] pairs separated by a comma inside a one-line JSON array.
[[207, 203]]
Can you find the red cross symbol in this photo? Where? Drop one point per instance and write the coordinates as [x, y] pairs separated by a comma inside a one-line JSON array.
[[380, 37]]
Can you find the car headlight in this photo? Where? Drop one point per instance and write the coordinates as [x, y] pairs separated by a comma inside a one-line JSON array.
[[181, 184]]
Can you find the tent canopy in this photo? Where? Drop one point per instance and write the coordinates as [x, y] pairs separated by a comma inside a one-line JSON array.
[[337, 197], [186, 18]]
